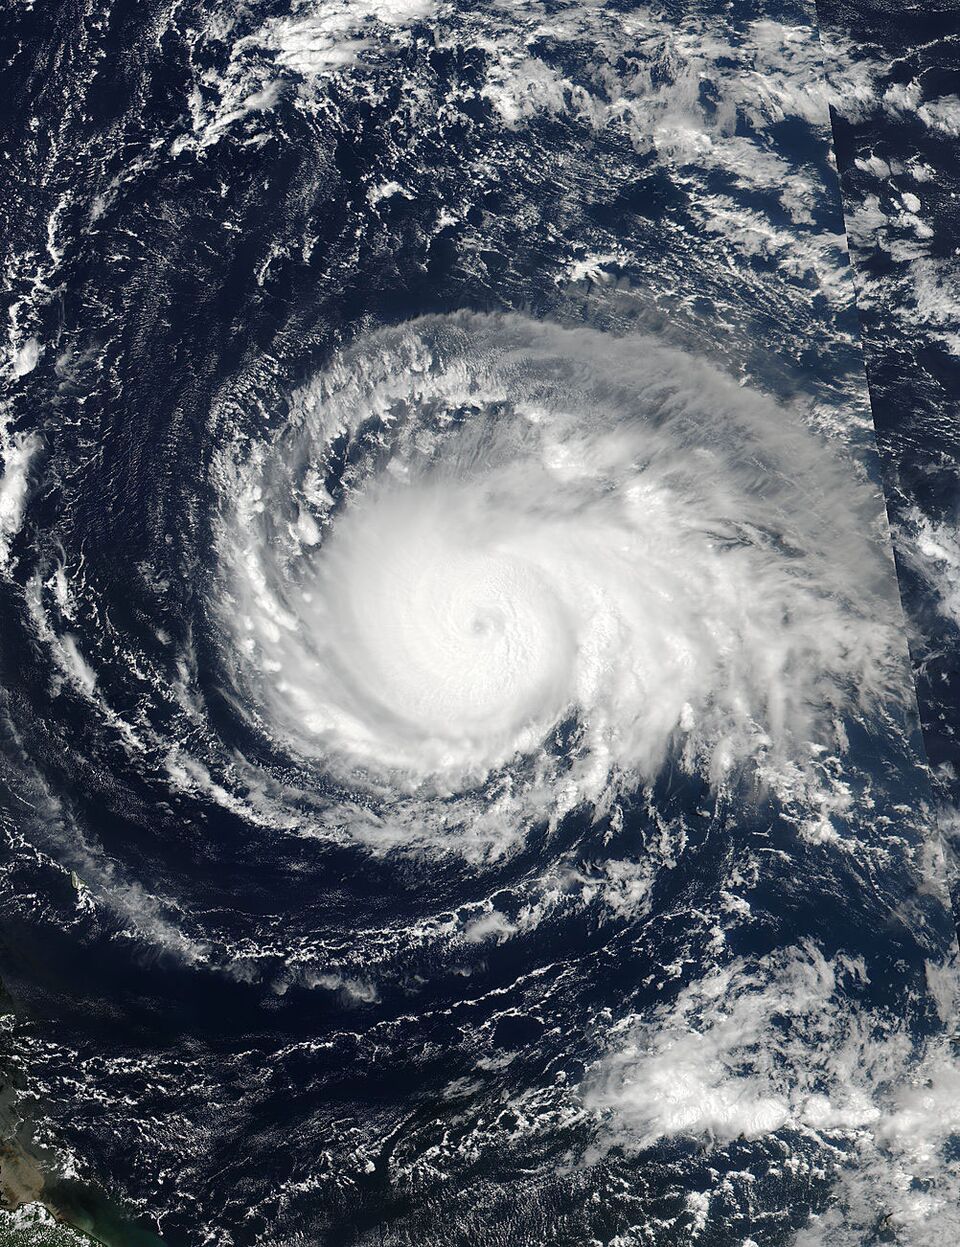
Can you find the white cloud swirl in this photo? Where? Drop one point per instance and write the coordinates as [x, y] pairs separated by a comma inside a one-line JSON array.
[[496, 562]]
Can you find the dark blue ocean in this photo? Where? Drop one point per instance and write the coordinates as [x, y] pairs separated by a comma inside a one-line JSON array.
[[476, 766]]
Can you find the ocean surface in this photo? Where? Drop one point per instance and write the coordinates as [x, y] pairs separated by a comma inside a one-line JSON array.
[[479, 600]]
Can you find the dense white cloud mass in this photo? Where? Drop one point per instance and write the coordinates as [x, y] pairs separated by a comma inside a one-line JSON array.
[[486, 551], [748, 1051]]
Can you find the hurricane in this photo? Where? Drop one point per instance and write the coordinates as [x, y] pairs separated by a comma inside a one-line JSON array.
[[463, 780], [484, 554]]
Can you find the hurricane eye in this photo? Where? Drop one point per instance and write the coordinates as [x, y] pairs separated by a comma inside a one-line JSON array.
[[488, 620]]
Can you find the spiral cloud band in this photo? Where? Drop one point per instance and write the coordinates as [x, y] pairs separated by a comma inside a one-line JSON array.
[[492, 558]]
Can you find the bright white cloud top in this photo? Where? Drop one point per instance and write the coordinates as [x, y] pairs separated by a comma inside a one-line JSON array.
[[545, 533]]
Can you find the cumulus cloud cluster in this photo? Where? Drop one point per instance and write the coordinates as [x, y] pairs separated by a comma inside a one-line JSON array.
[[778, 1046]]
